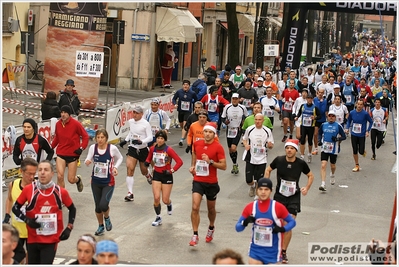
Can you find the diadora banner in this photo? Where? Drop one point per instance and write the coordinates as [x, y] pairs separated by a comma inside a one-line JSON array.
[[293, 39]]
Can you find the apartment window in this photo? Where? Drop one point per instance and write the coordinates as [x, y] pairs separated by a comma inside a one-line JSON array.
[[7, 12]]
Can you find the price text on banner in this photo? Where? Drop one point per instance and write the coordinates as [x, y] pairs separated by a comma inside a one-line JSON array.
[[89, 64]]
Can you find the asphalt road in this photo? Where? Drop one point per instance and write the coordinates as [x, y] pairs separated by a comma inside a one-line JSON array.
[[357, 208]]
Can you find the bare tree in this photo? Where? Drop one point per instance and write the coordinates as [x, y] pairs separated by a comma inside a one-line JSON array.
[[232, 32], [311, 30]]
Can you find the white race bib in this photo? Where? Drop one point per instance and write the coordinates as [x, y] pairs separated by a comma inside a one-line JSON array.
[[101, 169], [201, 168], [288, 105], [377, 123], [212, 107], [287, 188], [247, 102], [48, 224], [263, 236], [154, 130], [348, 98], [159, 159], [232, 132], [185, 105], [357, 128], [327, 147], [307, 121]]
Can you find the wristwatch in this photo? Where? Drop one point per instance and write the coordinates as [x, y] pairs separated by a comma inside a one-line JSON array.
[[211, 162]]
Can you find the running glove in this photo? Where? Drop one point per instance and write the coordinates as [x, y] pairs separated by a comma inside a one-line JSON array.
[[271, 107], [278, 229], [188, 149], [168, 172], [78, 151], [32, 222], [249, 219], [147, 164], [121, 144], [7, 218], [136, 142], [65, 234]]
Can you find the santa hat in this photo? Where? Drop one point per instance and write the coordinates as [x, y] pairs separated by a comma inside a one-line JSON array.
[[292, 142], [210, 126]]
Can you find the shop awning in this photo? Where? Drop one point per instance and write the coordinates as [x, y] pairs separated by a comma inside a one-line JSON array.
[[246, 23], [275, 21], [176, 25], [241, 34]]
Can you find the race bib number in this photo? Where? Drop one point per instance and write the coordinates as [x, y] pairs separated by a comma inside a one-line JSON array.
[[154, 130], [212, 107], [232, 132], [307, 121], [288, 105], [247, 102], [263, 236], [328, 147], [201, 168], [348, 98], [185, 105], [268, 112], [101, 169], [159, 159], [48, 224], [357, 128], [340, 119], [287, 188], [377, 123]]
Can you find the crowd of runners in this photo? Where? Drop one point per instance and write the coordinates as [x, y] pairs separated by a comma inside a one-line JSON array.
[[344, 101]]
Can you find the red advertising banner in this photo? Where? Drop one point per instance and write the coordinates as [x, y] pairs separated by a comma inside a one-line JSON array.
[[72, 24]]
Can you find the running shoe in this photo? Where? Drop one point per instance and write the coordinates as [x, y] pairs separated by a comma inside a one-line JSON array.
[[149, 178], [284, 139], [194, 241], [332, 179], [322, 188], [364, 154], [284, 257], [356, 169], [235, 169], [251, 191], [290, 136], [108, 224], [373, 157], [315, 152], [288, 129], [170, 208], [79, 184], [309, 158], [129, 197], [158, 221], [209, 235], [181, 143], [100, 230], [302, 157]]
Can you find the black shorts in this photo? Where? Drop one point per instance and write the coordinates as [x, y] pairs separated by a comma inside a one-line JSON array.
[[307, 131], [318, 124], [210, 190], [163, 178], [292, 203], [68, 159], [183, 115], [325, 156], [358, 144], [19, 251], [139, 154], [288, 114], [235, 140]]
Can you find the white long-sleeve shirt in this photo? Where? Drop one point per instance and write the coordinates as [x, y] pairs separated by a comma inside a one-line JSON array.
[[118, 158], [139, 130]]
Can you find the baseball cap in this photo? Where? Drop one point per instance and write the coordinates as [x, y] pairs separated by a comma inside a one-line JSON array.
[[70, 82], [336, 86], [331, 112], [265, 182], [138, 109], [155, 100], [238, 67], [235, 95], [260, 79]]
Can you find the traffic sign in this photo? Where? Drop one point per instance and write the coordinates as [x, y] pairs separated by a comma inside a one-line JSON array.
[[140, 37]]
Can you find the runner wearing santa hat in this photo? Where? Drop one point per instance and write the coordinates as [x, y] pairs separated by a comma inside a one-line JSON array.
[[288, 192]]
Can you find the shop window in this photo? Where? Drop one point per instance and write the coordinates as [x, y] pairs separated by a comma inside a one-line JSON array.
[[7, 13]]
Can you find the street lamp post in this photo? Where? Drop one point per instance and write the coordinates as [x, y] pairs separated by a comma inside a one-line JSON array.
[[109, 74]]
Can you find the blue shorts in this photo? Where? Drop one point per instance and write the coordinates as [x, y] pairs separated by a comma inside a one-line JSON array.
[[259, 253]]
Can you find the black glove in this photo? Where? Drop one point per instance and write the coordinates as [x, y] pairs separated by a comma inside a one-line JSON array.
[[32, 222], [78, 151], [319, 143], [188, 149], [7, 218], [278, 229], [168, 172], [271, 107], [334, 138], [65, 234], [136, 142], [353, 92], [121, 144], [249, 219], [147, 164], [227, 122]]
